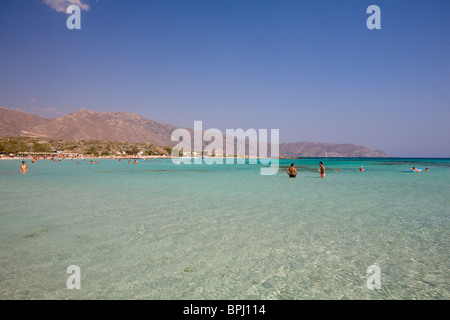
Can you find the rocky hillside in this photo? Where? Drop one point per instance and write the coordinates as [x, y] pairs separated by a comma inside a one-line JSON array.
[[17, 123], [130, 127], [113, 126]]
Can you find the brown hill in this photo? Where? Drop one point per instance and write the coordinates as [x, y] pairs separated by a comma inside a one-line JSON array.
[[113, 126], [131, 127], [18, 123]]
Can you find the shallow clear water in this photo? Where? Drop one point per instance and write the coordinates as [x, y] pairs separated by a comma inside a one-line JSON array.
[[157, 230]]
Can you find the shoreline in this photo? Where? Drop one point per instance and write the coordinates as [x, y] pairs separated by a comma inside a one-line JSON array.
[[185, 158]]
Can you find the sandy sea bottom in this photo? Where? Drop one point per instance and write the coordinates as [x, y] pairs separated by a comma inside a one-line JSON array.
[[156, 230]]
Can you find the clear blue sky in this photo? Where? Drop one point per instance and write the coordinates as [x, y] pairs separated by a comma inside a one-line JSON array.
[[309, 68]]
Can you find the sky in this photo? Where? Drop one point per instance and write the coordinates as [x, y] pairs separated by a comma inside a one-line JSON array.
[[312, 69]]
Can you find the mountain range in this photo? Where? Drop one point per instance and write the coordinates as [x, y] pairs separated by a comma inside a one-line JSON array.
[[130, 127]]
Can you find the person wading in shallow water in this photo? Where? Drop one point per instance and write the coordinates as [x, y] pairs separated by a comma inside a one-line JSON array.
[[292, 172], [321, 169], [23, 167]]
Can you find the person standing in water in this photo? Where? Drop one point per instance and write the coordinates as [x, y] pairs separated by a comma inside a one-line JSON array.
[[321, 169], [292, 172], [23, 167]]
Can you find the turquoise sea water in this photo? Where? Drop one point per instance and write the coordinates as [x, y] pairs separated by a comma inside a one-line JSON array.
[[156, 230]]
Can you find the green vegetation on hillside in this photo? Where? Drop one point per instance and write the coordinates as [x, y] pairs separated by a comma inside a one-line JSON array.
[[16, 145]]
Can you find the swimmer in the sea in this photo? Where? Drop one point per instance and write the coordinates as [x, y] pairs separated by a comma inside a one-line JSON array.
[[292, 172], [23, 167], [321, 169]]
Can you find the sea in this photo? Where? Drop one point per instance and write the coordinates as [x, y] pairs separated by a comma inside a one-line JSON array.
[[160, 230]]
